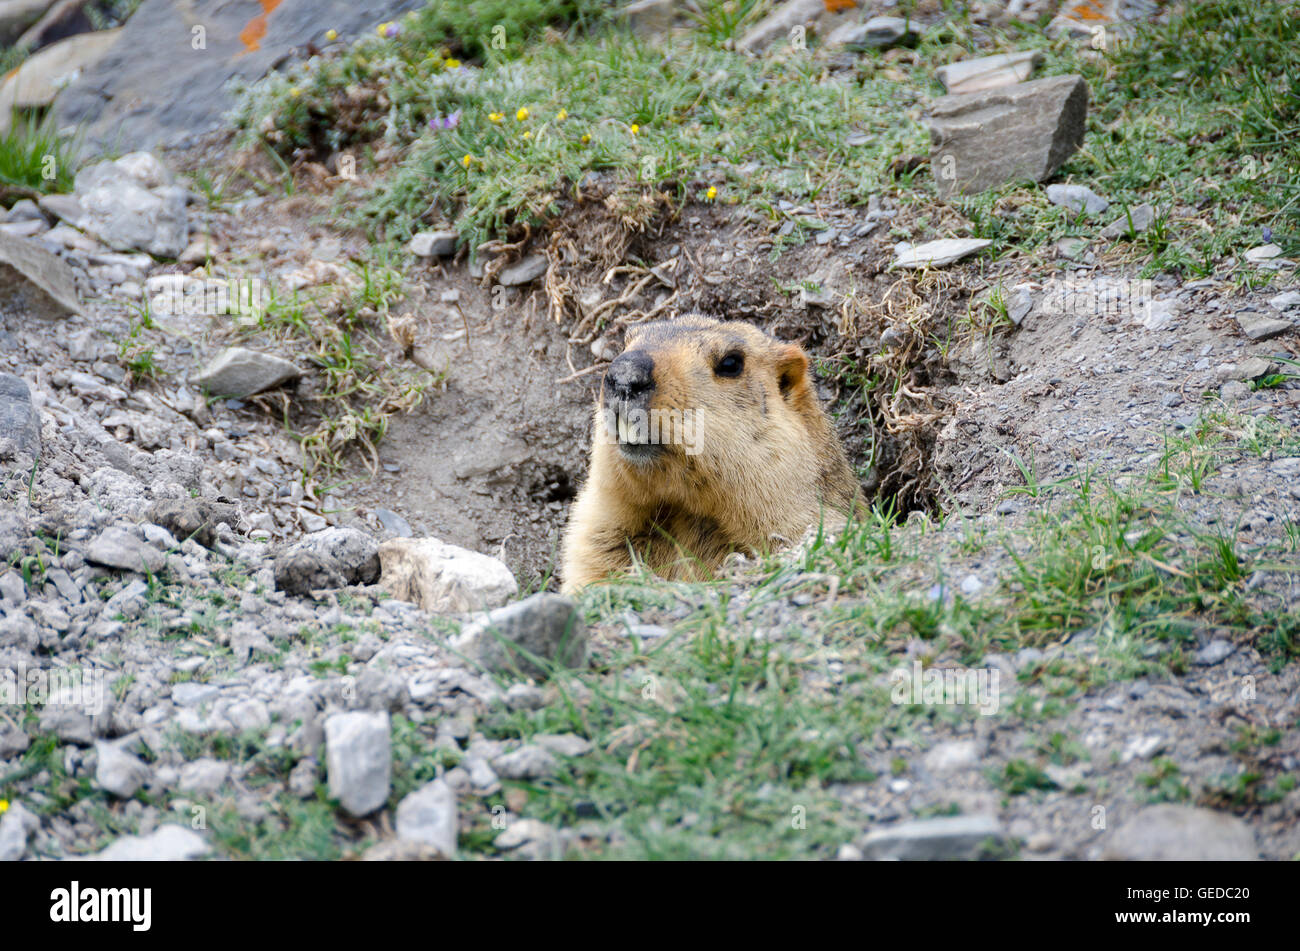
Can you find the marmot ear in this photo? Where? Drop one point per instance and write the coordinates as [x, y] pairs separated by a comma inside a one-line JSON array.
[[791, 369]]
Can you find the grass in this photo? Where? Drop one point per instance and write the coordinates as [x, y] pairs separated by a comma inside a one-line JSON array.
[[358, 390], [1213, 90], [34, 161]]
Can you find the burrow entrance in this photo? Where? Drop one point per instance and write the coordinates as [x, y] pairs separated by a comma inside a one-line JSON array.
[[492, 461]]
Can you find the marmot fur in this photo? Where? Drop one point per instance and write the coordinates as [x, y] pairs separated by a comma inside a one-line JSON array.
[[708, 439]]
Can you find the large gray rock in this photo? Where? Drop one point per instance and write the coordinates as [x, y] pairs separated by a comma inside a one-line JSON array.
[[330, 558], [32, 280], [1170, 833], [545, 626], [118, 548], [240, 372], [36, 82], [1026, 131], [169, 843], [17, 15], [1258, 326], [429, 816], [128, 214], [443, 578], [19, 420], [125, 102], [931, 840], [359, 759]]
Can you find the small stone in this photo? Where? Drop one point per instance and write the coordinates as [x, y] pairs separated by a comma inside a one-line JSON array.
[[327, 559], [33, 279], [15, 826], [1077, 198], [393, 523], [358, 752], [443, 578], [988, 72], [953, 755], [1285, 301], [119, 772], [545, 626], [939, 253], [169, 843], [876, 33], [429, 816], [527, 762], [1172, 833], [118, 548], [434, 244], [239, 372], [1265, 252], [1215, 652], [524, 272], [950, 837], [531, 837], [1143, 216], [1258, 327], [19, 420]]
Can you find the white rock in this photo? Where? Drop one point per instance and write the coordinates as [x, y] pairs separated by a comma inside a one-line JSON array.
[[358, 753], [1285, 301], [429, 815], [939, 253], [169, 843], [443, 578], [988, 72], [1077, 198]]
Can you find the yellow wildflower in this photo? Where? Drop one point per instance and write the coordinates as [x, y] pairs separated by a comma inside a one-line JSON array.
[[295, 92], [495, 116], [711, 194], [522, 114], [585, 138], [382, 29], [331, 35], [562, 115], [528, 135], [635, 128], [452, 64], [467, 160], [4, 806]]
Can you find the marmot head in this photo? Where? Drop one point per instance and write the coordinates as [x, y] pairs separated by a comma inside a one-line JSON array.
[[706, 394]]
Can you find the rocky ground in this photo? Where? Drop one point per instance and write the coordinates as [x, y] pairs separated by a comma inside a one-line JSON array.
[[209, 650]]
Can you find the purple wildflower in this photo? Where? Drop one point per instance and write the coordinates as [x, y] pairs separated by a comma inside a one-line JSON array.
[[439, 123], [1268, 234]]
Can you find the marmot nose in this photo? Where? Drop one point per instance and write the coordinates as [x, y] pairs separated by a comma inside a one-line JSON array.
[[631, 374]]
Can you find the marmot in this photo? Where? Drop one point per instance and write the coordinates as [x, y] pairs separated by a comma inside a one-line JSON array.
[[708, 439]]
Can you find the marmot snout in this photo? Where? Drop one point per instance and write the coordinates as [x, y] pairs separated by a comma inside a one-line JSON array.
[[708, 439]]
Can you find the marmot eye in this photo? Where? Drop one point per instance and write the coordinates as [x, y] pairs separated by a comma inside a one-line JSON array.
[[730, 365]]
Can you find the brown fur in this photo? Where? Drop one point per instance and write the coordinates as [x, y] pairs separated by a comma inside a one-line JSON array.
[[769, 464]]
